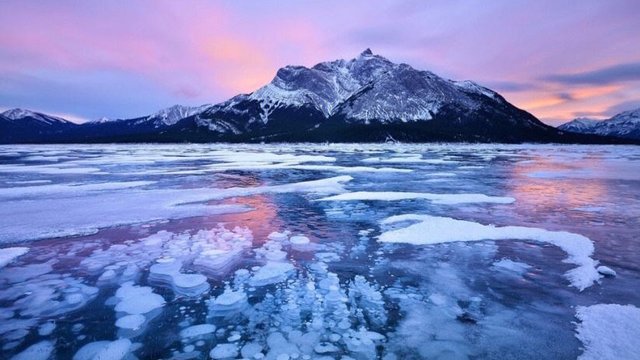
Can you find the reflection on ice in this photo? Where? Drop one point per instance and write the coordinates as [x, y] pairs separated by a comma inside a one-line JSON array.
[[261, 252]]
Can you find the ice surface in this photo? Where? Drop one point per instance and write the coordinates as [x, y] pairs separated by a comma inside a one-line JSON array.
[[608, 331], [427, 229], [29, 220], [449, 199], [231, 246], [508, 265], [7, 255]]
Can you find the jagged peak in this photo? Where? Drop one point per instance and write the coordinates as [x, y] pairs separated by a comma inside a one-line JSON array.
[[367, 52]]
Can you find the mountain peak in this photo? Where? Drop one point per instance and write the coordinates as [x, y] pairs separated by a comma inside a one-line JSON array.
[[17, 113], [366, 52]]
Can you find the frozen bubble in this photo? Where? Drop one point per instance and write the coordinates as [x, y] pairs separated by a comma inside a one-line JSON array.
[[224, 351], [299, 240], [197, 330], [38, 351], [135, 299], [131, 322]]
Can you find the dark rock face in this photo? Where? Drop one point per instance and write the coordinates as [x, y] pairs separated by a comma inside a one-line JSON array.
[[365, 99]]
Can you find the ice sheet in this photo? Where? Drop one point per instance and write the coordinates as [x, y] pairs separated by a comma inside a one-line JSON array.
[[449, 199]]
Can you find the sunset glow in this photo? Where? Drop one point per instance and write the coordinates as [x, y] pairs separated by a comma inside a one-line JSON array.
[[85, 60]]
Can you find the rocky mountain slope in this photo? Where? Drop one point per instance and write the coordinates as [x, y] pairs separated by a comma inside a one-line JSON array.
[[367, 98]]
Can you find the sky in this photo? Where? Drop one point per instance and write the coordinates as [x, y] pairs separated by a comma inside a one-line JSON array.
[[85, 60]]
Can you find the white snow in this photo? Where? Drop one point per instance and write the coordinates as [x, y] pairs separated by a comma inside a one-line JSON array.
[[606, 271], [427, 229], [448, 199], [608, 331], [7, 255]]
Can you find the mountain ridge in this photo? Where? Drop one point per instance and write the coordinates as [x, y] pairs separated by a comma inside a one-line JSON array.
[[367, 98], [623, 125]]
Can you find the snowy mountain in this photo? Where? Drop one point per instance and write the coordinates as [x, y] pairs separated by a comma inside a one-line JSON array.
[[18, 125], [364, 99], [368, 98], [22, 115], [171, 115], [623, 125]]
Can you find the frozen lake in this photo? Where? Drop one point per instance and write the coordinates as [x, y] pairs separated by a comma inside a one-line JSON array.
[[352, 251]]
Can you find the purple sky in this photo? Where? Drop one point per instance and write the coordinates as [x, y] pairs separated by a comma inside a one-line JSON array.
[[88, 59]]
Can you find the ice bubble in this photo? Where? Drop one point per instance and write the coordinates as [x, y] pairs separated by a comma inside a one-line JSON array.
[[278, 236], [250, 350], [271, 273], [197, 330], [47, 328], [224, 351], [137, 299], [131, 322], [114, 350], [38, 351], [299, 240], [168, 273]]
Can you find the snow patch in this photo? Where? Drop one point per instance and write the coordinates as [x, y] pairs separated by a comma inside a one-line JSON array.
[[428, 229], [608, 331]]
